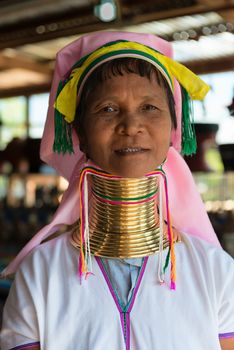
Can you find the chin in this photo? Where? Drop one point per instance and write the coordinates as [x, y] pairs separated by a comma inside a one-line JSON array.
[[128, 170]]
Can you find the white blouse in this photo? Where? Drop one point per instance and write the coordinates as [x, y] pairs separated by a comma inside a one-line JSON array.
[[47, 303]]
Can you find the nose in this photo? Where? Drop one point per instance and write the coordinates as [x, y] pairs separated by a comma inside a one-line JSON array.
[[130, 124]]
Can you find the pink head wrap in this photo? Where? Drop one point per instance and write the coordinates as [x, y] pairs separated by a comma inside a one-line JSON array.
[[178, 173]]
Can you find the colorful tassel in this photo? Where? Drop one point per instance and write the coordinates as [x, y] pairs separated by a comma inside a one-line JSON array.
[[170, 237], [189, 143], [161, 270], [62, 131]]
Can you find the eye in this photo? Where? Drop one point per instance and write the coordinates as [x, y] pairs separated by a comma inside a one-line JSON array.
[[106, 110], [109, 109], [149, 107]]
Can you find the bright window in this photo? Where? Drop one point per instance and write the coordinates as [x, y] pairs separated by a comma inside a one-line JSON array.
[[38, 105], [13, 119], [214, 108]]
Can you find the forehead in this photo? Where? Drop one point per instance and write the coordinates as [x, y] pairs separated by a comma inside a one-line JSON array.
[[129, 85]]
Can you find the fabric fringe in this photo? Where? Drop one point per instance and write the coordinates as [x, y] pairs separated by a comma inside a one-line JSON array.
[[171, 251], [189, 143], [161, 270], [62, 131]]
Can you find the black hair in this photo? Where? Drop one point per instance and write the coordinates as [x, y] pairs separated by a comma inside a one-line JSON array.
[[117, 67]]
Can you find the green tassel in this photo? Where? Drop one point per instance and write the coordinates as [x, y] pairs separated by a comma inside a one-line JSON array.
[[167, 260], [189, 143], [62, 132]]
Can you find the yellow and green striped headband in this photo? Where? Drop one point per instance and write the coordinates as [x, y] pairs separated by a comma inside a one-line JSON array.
[[69, 91]]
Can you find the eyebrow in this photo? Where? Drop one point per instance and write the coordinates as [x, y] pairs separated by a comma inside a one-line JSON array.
[[116, 97], [145, 97], [103, 99]]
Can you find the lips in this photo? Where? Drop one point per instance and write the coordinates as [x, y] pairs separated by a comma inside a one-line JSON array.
[[131, 150]]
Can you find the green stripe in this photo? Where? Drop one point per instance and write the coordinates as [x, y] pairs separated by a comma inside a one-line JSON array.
[[123, 198], [167, 260], [82, 59], [116, 53]]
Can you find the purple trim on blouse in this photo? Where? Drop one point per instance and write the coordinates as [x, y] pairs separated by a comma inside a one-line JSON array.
[[108, 283], [128, 328], [226, 335], [111, 290], [130, 306], [26, 346], [129, 309], [142, 271]]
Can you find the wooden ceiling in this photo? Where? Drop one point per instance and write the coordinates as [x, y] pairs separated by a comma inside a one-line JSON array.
[[47, 25]]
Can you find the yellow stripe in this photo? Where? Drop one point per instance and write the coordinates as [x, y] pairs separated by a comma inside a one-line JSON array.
[[66, 102]]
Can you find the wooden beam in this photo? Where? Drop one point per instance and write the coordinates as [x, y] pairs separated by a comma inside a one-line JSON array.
[[25, 91], [227, 15], [17, 61], [191, 10], [47, 27], [221, 64], [51, 27]]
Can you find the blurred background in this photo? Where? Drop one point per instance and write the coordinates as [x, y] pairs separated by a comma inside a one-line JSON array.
[[31, 33]]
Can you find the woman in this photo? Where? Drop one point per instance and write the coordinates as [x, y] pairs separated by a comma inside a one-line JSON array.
[[142, 230]]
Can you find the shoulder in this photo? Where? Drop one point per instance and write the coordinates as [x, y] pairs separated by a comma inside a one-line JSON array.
[[196, 245], [48, 255], [208, 257], [47, 267]]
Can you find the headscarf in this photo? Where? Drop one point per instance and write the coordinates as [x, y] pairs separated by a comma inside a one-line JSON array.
[[73, 65]]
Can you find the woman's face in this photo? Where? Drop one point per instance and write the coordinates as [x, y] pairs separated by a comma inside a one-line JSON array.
[[127, 125]]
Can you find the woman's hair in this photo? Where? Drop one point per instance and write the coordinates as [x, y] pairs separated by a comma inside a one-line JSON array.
[[116, 67]]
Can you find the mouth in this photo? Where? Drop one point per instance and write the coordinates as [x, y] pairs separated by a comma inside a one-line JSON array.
[[125, 151]]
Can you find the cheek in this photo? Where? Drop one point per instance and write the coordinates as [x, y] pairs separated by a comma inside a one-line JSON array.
[[161, 134], [96, 141], [162, 144]]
